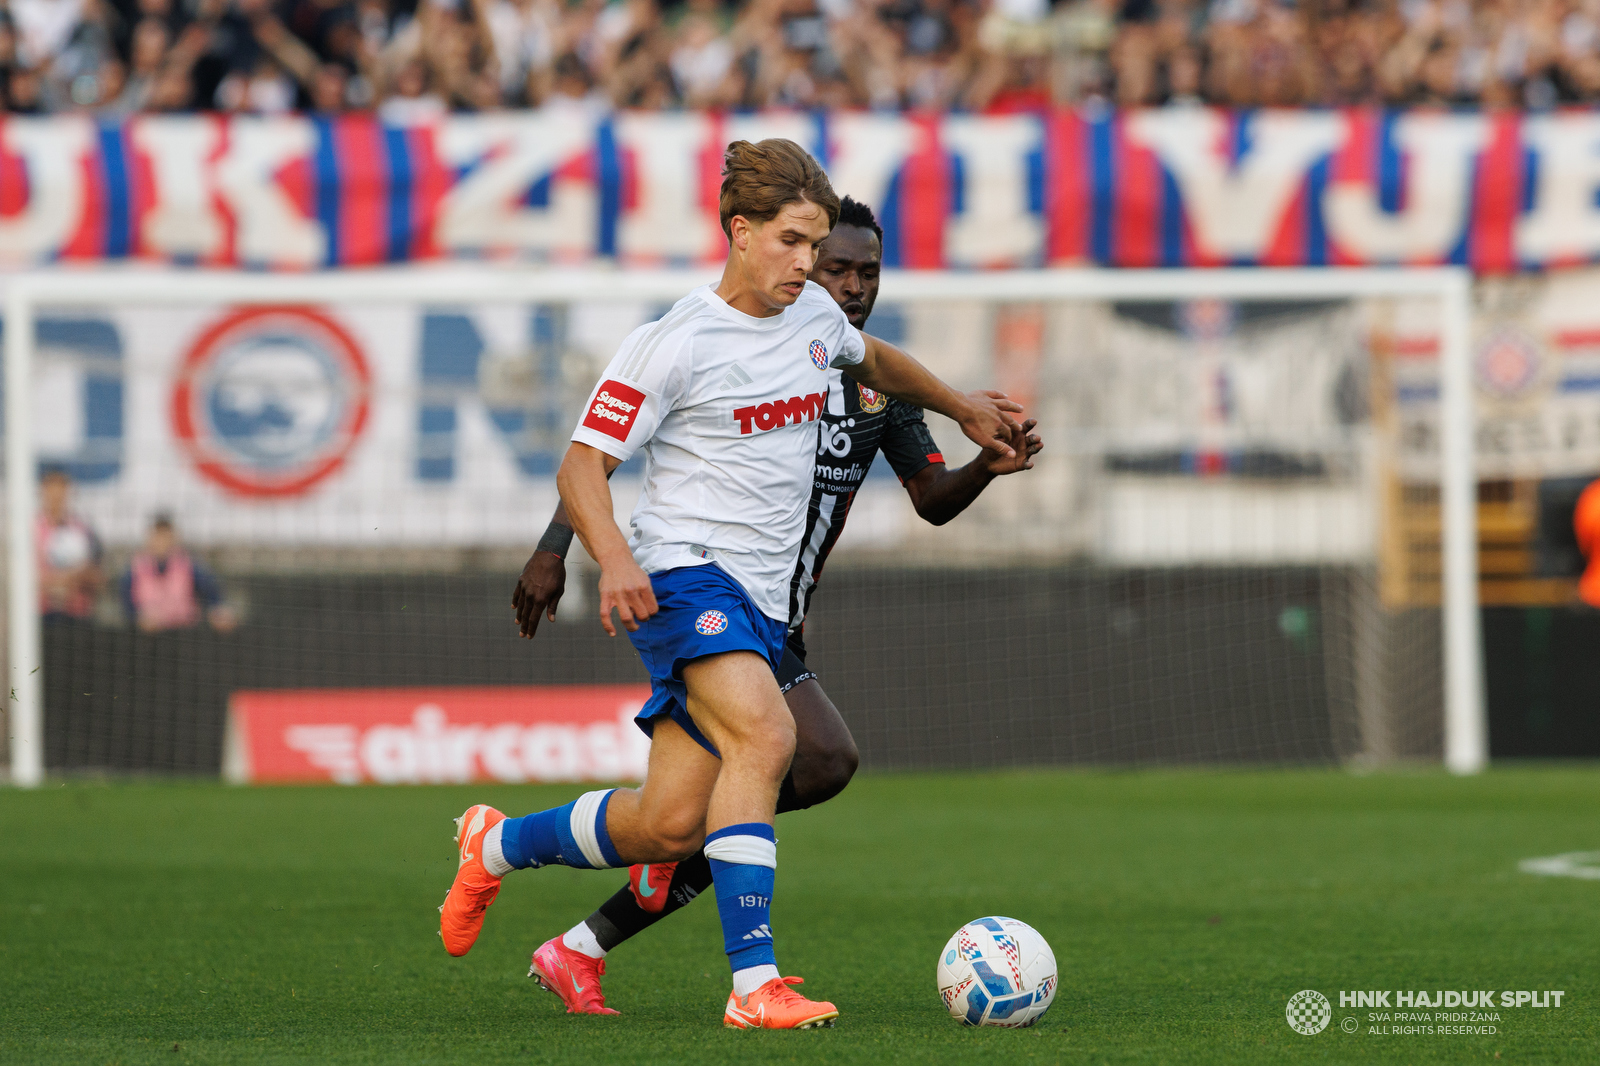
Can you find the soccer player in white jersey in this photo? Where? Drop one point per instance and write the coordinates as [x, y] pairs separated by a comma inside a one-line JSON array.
[[720, 393], [857, 425]]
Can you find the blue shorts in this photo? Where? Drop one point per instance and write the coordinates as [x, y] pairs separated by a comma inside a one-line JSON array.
[[703, 612]]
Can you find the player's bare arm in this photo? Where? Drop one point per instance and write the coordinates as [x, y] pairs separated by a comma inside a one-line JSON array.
[[983, 415], [586, 494], [939, 493], [544, 576]]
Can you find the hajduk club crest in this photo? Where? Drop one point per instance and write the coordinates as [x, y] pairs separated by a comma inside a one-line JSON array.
[[710, 623], [819, 355]]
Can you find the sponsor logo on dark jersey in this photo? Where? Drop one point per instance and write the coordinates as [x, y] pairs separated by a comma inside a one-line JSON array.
[[776, 413], [613, 409], [848, 477]]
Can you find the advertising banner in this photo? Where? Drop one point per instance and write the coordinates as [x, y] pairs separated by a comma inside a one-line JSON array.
[[349, 425], [414, 736], [1536, 365], [1180, 186], [373, 427]]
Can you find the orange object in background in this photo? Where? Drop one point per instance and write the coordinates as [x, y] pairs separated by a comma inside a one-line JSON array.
[[1586, 524]]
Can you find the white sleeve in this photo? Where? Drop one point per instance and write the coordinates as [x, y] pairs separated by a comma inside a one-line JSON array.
[[851, 348], [642, 384], [845, 342]]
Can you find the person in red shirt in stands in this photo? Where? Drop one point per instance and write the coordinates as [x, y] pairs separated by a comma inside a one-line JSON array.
[[1586, 524], [68, 552], [165, 588]]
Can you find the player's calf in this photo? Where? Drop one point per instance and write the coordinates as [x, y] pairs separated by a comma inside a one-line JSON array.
[[573, 834], [665, 832], [818, 775], [825, 754]]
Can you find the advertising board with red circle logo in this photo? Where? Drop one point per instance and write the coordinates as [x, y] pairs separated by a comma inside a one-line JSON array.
[[270, 401]]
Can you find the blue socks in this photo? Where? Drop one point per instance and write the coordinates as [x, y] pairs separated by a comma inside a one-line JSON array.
[[573, 835], [744, 861]]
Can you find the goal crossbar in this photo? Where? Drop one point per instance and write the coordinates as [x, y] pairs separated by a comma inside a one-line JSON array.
[[1465, 726]]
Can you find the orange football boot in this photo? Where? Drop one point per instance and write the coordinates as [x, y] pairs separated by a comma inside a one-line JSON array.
[[572, 975], [461, 914], [777, 1006], [649, 882]]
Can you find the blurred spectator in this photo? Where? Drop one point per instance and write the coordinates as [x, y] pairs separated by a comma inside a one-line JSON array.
[[165, 588], [1586, 526], [413, 60], [701, 61], [68, 553]]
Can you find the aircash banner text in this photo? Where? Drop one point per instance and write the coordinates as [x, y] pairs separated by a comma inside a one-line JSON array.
[[1166, 187], [415, 736]]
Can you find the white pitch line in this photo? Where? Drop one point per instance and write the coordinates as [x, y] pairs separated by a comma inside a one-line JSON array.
[[1580, 864]]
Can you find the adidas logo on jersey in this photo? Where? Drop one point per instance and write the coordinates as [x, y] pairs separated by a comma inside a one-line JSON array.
[[776, 413], [760, 932], [736, 377]]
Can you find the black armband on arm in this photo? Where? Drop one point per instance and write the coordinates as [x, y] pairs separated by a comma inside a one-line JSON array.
[[557, 540]]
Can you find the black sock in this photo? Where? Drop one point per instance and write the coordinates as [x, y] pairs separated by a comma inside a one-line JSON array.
[[620, 917]]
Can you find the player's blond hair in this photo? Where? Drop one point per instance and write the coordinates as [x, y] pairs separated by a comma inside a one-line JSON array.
[[759, 180]]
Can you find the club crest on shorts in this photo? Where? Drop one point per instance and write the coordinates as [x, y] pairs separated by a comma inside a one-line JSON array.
[[819, 355], [871, 399], [710, 623]]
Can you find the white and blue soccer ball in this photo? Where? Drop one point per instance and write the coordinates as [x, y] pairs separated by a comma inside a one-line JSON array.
[[997, 971]]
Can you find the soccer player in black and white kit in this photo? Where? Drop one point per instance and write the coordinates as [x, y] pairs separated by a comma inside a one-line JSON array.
[[857, 423]]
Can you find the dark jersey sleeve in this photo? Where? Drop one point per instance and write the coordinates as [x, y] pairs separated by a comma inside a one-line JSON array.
[[906, 442]]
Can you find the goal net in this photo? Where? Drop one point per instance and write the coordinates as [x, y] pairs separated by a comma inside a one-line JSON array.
[[281, 519]]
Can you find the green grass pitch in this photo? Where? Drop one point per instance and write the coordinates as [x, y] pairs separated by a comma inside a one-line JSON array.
[[168, 923]]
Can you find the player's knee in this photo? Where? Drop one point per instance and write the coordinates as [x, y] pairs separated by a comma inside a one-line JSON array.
[[764, 741], [676, 835], [821, 774]]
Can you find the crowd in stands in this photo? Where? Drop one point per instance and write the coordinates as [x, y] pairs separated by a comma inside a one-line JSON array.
[[413, 59]]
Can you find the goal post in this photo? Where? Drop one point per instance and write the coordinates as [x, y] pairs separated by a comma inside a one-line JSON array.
[[1464, 726]]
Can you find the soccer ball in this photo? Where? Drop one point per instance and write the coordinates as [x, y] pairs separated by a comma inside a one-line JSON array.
[[997, 971]]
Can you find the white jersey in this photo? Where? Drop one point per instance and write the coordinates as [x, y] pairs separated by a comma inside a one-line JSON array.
[[723, 404]]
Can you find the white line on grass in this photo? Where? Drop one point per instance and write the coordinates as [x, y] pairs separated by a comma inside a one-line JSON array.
[[1572, 864]]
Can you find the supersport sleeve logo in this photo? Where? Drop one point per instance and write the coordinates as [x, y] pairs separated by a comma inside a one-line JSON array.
[[613, 409]]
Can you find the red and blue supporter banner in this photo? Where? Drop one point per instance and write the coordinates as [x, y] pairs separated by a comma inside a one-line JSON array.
[[1171, 187]]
